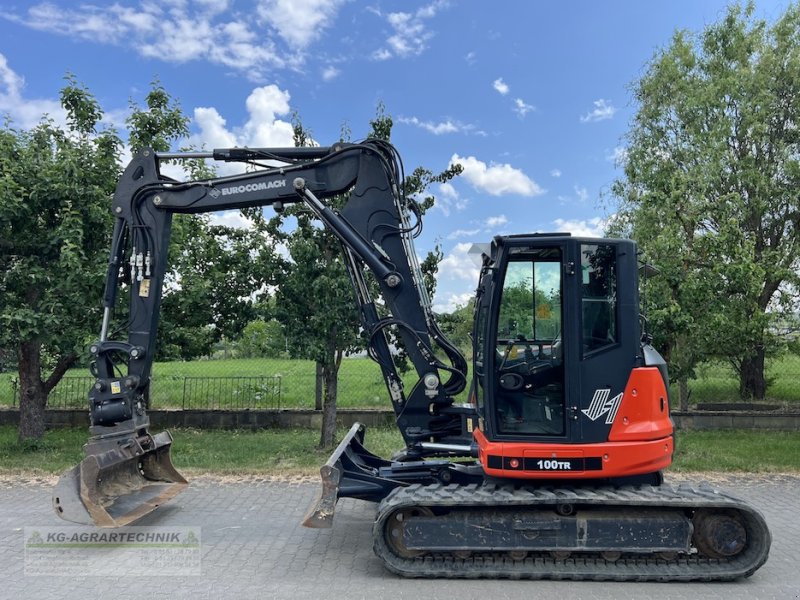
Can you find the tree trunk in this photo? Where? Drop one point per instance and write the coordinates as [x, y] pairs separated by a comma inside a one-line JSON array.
[[32, 392], [318, 386], [330, 376], [681, 359], [752, 383], [683, 393]]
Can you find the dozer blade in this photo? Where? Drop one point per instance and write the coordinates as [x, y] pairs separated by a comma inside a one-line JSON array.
[[320, 514], [352, 471], [120, 485]]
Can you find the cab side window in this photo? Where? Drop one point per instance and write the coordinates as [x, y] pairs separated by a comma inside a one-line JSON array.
[[598, 296]]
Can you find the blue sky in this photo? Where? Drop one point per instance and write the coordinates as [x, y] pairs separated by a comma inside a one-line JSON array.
[[533, 98]]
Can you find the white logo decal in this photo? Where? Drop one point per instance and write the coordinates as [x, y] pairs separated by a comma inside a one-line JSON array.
[[602, 405], [254, 187]]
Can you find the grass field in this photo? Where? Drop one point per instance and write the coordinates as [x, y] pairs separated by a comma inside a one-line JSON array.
[[360, 384], [717, 382], [292, 452]]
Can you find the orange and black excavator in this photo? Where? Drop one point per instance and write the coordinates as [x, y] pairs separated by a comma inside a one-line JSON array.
[[552, 469]]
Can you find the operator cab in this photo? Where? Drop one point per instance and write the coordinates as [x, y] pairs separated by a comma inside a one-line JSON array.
[[554, 337]]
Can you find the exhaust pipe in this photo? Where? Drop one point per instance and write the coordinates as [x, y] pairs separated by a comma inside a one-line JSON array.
[[118, 484]]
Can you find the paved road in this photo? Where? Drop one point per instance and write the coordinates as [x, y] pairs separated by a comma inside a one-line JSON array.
[[254, 547]]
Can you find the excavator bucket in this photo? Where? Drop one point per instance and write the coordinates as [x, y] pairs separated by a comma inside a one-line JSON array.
[[117, 486], [352, 471]]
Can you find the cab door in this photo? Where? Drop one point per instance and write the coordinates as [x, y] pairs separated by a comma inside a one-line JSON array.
[[607, 333], [529, 347]]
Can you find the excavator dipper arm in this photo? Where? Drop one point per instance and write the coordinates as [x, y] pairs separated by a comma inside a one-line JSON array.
[[127, 472]]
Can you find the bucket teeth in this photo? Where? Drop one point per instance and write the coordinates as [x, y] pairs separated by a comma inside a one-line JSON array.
[[117, 487]]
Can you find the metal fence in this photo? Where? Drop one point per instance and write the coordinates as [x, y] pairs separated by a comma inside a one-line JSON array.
[[231, 393], [209, 393], [229, 384]]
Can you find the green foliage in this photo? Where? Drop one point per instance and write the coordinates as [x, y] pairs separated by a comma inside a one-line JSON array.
[[710, 189], [54, 226], [457, 326], [54, 229], [217, 274], [529, 312], [262, 339], [215, 271], [157, 125]]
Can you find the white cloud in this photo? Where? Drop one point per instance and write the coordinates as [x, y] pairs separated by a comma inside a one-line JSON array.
[[448, 199], [230, 218], [555, 173], [602, 110], [263, 127], [24, 112], [381, 54], [458, 265], [521, 108], [299, 22], [330, 73], [497, 221], [459, 233], [410, 32], [452, 302], [582, 228], [447, 126], [501, 86], [471, 58], [277, 36], [447, 190], [496, 179], [582, 193], [442, 127]]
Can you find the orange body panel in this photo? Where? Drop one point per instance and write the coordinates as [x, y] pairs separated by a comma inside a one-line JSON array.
[[640, 441], [644, 411]]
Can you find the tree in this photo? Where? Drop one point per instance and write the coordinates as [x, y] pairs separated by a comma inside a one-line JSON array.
[[216, 271], [710, 189], [54, 230], [314, 301], [262, 339], [55, 227], [457, 326]]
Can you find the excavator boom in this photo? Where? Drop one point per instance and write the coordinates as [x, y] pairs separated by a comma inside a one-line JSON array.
[[127, 471]]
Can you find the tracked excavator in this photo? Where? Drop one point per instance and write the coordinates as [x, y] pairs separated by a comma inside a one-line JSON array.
[[552, 469]]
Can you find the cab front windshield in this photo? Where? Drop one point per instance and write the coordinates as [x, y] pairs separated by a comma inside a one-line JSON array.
[[528, 362]]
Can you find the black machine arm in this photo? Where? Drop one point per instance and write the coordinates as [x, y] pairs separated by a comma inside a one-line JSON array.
[[374, 230]]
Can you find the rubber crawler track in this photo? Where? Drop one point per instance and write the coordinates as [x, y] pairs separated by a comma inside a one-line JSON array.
[[584, 566]]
